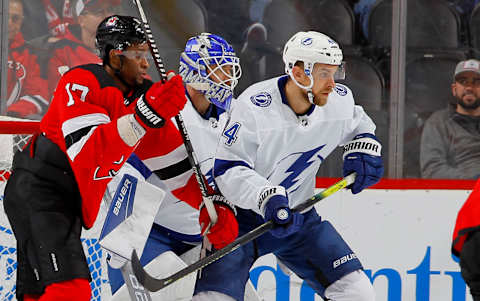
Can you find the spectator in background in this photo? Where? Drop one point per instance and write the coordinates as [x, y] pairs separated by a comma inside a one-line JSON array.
[[59, 15], [77, 45], [450, 144], [26, 90]]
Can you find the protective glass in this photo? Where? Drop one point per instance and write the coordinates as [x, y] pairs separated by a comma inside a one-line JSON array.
[[324, 73]]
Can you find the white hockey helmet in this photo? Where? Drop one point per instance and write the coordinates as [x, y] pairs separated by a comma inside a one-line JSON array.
[[312, 47]]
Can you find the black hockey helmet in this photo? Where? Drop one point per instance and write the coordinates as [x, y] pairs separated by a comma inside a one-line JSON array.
[[118, 32]]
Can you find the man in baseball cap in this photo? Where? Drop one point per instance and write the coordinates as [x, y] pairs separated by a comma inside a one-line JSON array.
[[450, 145], [466, 87]]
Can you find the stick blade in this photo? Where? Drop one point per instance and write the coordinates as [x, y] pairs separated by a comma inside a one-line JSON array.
[[148, 282]]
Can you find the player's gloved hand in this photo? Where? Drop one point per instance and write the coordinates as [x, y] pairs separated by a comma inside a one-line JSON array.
[[273, 205], [363, 156], [225, 230], [161, 102]]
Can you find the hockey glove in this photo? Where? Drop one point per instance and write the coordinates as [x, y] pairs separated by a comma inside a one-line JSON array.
[[273, 205], [363, 156], [225, 230], [161, 102]]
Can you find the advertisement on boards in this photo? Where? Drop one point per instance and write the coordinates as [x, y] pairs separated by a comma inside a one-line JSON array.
[[402, 237]]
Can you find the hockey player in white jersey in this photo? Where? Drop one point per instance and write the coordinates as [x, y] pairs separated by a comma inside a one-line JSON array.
[[210, 71], [279, 133]]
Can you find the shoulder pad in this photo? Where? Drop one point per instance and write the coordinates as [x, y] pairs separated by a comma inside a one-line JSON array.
[[104, 79]]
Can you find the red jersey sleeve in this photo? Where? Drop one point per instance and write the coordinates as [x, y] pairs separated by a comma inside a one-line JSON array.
[[164, 153], [468, 219], [30, 86], [82, 121]]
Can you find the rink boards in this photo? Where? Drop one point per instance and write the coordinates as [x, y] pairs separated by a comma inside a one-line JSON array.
[[401, 236]]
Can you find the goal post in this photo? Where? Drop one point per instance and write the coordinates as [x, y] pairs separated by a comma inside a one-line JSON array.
[[14, 134]]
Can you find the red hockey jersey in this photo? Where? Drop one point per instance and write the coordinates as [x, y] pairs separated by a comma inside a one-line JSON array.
[[468, 220], [27, 90], [82, 121]]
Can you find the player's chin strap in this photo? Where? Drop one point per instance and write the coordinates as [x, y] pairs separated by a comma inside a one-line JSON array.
[[307, 88]]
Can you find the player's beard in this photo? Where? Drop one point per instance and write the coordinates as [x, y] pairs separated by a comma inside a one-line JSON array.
[[470, 105], [320, 99]]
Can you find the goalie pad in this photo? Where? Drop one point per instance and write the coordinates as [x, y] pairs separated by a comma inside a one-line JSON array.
[[130, 215], [163, 266]]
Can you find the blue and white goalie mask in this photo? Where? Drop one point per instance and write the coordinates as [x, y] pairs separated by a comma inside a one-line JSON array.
[[209, 64]]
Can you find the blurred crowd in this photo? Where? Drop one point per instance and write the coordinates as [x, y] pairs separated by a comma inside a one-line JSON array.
[[48, 37]]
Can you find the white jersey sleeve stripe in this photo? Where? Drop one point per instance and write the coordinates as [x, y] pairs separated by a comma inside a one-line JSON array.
[[80, 122], [76, 148], [160, 162]]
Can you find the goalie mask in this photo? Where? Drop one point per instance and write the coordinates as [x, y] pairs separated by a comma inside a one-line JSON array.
[[312, 47], [209, 64]]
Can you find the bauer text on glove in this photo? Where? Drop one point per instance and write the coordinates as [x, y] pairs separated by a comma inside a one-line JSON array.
[[161, 102]]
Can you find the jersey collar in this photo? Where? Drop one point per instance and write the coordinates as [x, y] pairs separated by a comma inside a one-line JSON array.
[[212, 112], [282, 81]]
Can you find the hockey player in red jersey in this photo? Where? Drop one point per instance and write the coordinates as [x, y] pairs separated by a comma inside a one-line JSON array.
[[98, 116], [466, 241], [26, 90]]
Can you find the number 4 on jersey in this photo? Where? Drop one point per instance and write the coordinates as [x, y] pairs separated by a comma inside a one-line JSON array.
[[231, 133]]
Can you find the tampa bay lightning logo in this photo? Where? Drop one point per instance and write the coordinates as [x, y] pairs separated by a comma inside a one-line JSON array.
[[307, 41], [297, 163], [262, 99], [340, 89]]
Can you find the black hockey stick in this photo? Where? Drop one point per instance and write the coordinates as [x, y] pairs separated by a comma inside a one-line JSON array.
[[153, 284], [181, 125]]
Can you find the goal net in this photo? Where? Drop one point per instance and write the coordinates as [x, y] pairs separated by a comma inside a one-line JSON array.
[[14, 134]]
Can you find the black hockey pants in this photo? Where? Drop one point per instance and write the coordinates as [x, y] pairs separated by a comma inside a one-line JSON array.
[[42, 203], [470, 264]]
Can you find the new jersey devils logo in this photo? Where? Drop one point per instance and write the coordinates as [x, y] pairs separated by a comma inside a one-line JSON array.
[[111, 22], [18, 68], [102, 174]]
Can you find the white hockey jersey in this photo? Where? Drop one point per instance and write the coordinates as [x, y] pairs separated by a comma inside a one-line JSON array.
[[177, 215], [265, 143], [179, 218]]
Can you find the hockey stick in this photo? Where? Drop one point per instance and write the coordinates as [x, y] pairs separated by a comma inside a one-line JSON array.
[[181, 125], [153, 284], [135, 289]]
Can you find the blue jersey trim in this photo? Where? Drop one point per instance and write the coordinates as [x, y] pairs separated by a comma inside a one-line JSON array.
[[212, 110], [282, 81], [221, 166], [135, 161]]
